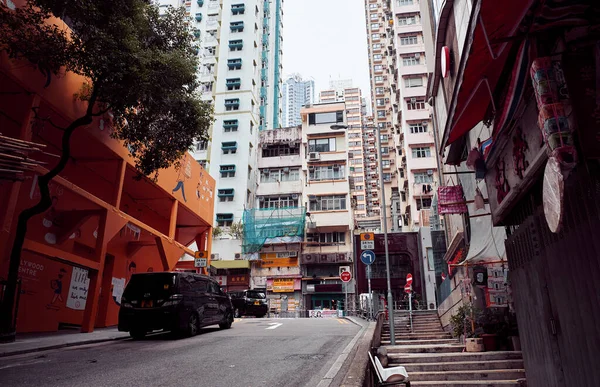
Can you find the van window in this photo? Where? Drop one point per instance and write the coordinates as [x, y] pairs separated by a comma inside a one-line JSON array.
[[199, 284], [215, 288], [154, 285], [255, 294]]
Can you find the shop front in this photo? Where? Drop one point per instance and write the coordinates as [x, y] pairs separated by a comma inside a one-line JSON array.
[[233, 275]]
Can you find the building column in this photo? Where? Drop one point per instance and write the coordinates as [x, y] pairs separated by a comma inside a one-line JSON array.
[[119, 179], [173, 219]]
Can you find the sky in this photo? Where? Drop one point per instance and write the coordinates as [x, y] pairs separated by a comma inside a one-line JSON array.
[[326, 39]]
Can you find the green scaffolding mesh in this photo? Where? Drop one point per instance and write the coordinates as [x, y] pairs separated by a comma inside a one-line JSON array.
[[272, 225]]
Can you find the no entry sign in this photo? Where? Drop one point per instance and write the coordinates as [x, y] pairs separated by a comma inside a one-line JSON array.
[[346, 276]]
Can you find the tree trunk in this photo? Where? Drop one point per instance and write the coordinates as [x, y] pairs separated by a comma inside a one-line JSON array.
[[7, 330]]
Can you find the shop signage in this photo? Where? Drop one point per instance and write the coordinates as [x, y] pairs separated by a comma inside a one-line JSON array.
[[282, 285], [272, 260], [239, 279], [323, 313], [286, 254]]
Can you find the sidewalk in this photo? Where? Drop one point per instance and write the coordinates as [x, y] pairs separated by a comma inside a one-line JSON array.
[[34, 342]]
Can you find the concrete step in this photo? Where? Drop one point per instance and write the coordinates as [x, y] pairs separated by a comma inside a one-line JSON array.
[[395, 350], [419, 336], [427, 342], [479, 375], [415, 325], [467, 383], [424, 331], [410, 358], [462, 365]]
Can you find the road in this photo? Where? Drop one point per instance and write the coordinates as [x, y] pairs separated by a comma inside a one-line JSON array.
[[254, 352]]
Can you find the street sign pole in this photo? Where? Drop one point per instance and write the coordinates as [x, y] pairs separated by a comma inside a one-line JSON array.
[[370, 293], [346, 302], [410, 310]]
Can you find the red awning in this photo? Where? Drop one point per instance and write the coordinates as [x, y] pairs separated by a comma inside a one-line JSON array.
[[491, 24]]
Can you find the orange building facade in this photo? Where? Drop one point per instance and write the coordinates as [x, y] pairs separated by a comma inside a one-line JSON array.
[[104, 224]]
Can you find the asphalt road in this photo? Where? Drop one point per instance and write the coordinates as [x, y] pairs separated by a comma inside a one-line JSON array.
[[254, 352]]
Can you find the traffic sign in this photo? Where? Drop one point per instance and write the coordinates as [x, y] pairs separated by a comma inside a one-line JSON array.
[[407, 288], [201, 254], [346, 276], [409, 279], [367, 245], [367, 236], [200, 262], [367, 257]]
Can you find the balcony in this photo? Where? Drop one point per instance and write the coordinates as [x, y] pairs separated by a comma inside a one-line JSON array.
[[419, 138], [198, 17], [230, 125], [200, 3], [238, 9], [233, 83], [234, 64], [236, 26], [412, 70], [236, 45], [233, 103], [419, 91], [340, 219], [406, 6], [407, 28], [279, 161]]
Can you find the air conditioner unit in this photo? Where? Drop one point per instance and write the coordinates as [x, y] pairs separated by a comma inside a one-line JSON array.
[[311, 225], [413, 100], [430, 172], [238, 256], [314, 156], [215, 257]]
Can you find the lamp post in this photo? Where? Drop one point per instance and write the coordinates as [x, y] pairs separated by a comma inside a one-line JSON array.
[[384, 226]]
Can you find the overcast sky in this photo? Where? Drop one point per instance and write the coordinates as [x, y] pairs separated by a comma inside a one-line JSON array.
[[326, 39]]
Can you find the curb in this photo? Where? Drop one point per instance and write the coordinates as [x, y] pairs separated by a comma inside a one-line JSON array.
[[58, 346], [358, 363], [356, 322]]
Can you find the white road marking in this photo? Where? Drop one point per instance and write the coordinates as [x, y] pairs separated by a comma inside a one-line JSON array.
[[274, 325], [24, 364]]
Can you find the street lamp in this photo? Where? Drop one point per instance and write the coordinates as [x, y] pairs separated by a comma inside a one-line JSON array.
[[384, 224]]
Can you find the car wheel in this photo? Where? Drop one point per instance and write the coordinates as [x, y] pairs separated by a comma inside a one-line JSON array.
[[137, 334], [236, 313], [227, 323], [193, 325]]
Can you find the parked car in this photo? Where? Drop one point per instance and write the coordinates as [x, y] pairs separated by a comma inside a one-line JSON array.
[[249, 303], [173, 301]]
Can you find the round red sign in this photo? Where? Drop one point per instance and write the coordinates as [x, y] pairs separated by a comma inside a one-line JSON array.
[[346, 276], [407, 288], [409, 279]]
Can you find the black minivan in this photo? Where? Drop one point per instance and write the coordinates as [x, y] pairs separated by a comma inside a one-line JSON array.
[[174, 301], [249, 302]]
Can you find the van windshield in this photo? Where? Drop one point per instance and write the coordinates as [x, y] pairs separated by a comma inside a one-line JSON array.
[[254, 294], [154, 285]]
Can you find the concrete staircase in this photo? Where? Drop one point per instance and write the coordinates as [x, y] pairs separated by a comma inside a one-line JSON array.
[[433, 358]]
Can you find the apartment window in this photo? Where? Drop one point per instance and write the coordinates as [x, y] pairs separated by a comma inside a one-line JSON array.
[[229, 147], [375, 36], [385, 163], [377, 57], [276, 175], [233, 83], [328, 203], [280, 150], [403, 196], [227, 170], [360, 197], [408, 40], [236, 26], [234, 64], [374, 16], [238, 9], [356, 161], [354, 143], [353, 135], [417, 128], [380, 113], [325, 118], [201, 145], [380, 102], [410, 60], [327, 237], [423, 178], [378, 79], [415, 104], [376, 46], [413, 81], [373, 6], [407, 20], [284, 201], [326, 172], [236, 45], [374, 26], [421, 152], [322, 145], [387, 177], [232, 104], [378, 68], [225, 195], [230, 126], [423, 203], [379, 90], [359, 179], [385, 150], [383, 138], [360, 206], [404, 2], [224, 220]]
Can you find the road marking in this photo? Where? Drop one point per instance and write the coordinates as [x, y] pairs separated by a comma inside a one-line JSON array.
[[27, 363], [342, 321], [274, 325]]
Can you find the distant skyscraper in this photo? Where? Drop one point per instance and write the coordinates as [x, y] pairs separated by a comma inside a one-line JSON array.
[[296, 93]]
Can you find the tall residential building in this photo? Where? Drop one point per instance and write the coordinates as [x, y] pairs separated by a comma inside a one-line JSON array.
[[296, 94], [240, 72]]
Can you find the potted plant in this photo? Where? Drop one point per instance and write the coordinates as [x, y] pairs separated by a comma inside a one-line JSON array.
[[465, 323]]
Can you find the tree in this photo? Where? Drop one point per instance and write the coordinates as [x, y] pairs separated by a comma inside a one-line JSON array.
[[236, 230], [139, 65]]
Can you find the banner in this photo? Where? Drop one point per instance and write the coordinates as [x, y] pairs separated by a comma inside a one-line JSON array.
[[272, 260], [78, 289], [325, 313]]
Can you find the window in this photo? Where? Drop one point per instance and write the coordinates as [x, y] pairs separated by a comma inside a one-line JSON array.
[[322, 145], [380, 102], [376, 46], [358, 170], [354, 143], [279, 150], [385, 163], [230, 125], [327, 237], [385, 150], [328, 203], [423, 178], [353, 135], [325, 118], [408, 40], [387, 177], [403, 196], [379, 90], [374, 16], [404, 2], [415, 104], [413, 81], [201, 145], [359, 179], [421, 152], [407, 20], [285, 201], [236, 45], [410, 60], [360, 197], [229, 147], [378, 79], [423, 203], [377, 57], [326, 172], [232, 104], [378, 68], [238, 9], [356, 161], [380, 113], [417, 128], [233, 83], [234, 64], [227, 170], [225, 195], [373, 6], [374, 26], [236, 26], [274, 175], [375, 36], [224, 220]]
